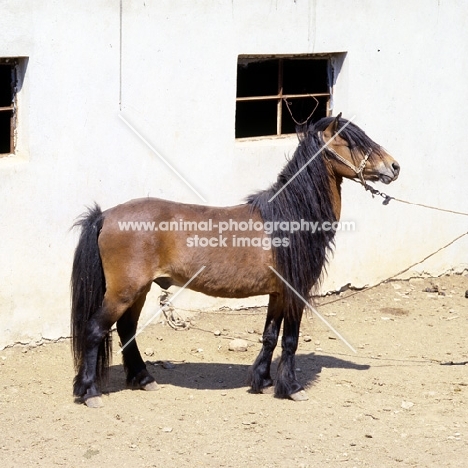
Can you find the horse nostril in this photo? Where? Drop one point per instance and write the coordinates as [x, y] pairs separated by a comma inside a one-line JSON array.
[[396, 167]]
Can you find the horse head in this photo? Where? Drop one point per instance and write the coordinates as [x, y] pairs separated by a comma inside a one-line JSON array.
[[352, 154]]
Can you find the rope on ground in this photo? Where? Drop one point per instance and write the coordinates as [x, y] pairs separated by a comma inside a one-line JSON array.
[[400, 272], [173, 319]]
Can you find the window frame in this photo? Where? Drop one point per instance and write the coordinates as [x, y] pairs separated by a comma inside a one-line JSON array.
[[13, 63], [280, 96]]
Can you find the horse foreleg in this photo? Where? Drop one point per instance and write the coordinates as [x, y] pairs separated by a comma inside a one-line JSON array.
[[135, 368], [259, 377], [287, 386]]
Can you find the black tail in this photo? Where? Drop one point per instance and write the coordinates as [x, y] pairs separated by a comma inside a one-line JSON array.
[[87, 290]]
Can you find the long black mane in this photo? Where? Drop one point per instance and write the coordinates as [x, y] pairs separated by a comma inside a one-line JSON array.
[[306, 197]]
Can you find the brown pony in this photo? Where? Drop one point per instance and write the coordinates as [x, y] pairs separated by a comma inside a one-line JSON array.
[[277, 243]]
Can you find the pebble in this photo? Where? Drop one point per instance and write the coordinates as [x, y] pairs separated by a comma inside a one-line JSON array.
[[217, 333], [407, 404], [249, 423], [307, 338], [167, 429], [167, 365], [149, 351], [238, 345]]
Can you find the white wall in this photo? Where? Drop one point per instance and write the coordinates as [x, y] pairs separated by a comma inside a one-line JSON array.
[[403, 78]]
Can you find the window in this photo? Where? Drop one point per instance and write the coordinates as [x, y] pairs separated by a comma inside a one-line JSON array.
[[8, 73], [275, 94]]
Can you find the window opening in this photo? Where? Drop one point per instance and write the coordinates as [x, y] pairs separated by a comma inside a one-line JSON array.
[[274, 94], [8, 69]]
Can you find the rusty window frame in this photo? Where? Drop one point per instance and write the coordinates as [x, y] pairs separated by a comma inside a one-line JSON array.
[[12, 65], [282, 98]]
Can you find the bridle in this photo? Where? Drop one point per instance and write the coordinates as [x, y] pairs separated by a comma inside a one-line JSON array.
[[357, 170]]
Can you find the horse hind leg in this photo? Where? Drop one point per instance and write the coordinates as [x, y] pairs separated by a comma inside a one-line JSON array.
[[138, 376], [259, 376], [94, 363], [93, 369]]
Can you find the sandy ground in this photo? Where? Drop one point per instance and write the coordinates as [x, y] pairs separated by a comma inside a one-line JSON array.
[[400, 401]]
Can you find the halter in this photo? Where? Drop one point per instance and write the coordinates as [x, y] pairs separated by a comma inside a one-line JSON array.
[[357, 170]]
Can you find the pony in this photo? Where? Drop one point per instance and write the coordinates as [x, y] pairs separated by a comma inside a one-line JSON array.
[[264, 246]]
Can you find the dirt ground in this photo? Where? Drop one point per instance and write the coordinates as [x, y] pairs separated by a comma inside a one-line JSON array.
[[400, 401]]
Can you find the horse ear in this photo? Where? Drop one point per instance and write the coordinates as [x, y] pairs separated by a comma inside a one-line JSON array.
[[336, 123]]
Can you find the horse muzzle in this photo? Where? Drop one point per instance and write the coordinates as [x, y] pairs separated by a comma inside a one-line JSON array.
[[388, 174]]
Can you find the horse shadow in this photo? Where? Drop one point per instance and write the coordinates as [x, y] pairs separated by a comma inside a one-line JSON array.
[[219, 376]]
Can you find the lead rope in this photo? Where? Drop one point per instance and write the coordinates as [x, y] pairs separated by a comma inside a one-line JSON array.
[[388, 198]]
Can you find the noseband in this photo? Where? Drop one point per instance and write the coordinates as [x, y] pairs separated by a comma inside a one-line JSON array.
[[357, 170]]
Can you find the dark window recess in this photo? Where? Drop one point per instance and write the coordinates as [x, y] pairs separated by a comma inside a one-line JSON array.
[[257, 78], [274, 95], [255, 118], [7, 105]]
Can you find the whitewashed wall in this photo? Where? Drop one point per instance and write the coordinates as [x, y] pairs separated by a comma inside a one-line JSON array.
[[174, 79]]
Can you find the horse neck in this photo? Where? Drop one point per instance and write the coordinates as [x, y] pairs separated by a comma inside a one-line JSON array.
[[335, 191]]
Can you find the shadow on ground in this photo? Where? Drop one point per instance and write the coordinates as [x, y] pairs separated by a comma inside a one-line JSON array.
[[218, 376]]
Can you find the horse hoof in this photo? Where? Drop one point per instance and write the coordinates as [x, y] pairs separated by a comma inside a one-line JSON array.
[[268, 390], [299, 396], [150, 387], [94, 402]]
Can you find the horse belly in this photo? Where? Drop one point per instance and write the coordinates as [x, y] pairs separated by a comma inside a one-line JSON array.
[[224, 271]]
